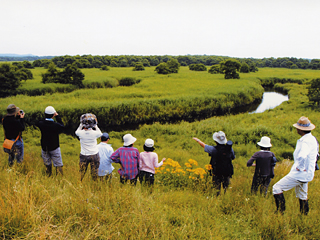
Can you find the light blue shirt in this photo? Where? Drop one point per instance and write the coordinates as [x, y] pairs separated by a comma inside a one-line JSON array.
[[105, 151], [305, 157]]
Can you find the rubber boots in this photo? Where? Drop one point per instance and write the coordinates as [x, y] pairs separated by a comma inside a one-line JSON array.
[[280, 202], [304, 206]]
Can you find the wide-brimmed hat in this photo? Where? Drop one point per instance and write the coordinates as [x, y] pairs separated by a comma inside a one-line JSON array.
[[304, 124], [265, 142], [128, 139], [220, 137], [12, 109], [49, 110]]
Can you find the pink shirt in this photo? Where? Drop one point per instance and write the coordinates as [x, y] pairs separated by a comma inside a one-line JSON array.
[[149, 161]]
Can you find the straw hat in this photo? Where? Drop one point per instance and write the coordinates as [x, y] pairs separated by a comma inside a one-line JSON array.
[[128, 139], [12, 109], [220, 137], [304, 124], [265, 142]]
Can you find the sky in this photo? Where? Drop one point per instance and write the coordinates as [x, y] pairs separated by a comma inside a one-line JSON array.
[[235, 28]]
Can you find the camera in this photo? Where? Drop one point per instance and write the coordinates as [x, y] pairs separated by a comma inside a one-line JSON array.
[[21, 111]]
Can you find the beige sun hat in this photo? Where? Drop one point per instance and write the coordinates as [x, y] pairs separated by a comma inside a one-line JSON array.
[[128, 139], [304, 124], [220, 137], [12, 109], [265, 142]]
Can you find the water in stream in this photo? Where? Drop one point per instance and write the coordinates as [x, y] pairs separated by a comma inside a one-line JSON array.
[[270, 100]]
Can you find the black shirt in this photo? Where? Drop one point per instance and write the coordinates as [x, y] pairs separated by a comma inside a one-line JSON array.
[[13, 126], [50, 131]]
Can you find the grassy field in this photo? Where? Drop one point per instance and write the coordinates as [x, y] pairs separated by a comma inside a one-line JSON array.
[[33, 206]]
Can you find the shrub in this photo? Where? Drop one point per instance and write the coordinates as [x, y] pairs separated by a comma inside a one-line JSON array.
[[197, 67], [215, 69], [128, 81], [138, 66], [105, 68]]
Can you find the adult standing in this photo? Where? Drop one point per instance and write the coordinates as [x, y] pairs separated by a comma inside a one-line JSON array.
[[13, 125], [221, 160], [128, 157], [50, 146], [88, 132], [302, 171], [265, 161]]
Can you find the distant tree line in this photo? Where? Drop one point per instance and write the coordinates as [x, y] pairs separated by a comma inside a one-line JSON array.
[[90, 61]]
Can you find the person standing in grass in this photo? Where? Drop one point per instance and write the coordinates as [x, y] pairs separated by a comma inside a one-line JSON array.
[[50, 147], [265, 162], [105, 151], [88, 132], [148, 162], [302, 171], [128, 157], [13, 125], [221, 160]]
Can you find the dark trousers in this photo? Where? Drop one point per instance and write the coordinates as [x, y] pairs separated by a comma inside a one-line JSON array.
[[261, 182], [132, 181], [220, 179], [94, 161], [147, 176]]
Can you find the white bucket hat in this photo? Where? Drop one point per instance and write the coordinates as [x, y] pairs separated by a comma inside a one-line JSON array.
[[149, 143], [265, 142], [128, 139], [220, 137]]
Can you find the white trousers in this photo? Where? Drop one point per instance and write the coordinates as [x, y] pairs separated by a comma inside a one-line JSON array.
[[287, 183]]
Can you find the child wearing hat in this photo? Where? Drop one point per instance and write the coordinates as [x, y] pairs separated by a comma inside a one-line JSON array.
[[128, 157], [265, 162], [148, 162], [105, 151]]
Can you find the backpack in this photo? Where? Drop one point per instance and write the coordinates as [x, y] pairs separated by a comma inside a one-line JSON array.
[[221, 162]]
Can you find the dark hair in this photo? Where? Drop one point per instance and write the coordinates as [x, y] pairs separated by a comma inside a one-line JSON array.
[[265, 148], [103, 138], [48, 115], [129, 145], [148, 149], [305, 131]]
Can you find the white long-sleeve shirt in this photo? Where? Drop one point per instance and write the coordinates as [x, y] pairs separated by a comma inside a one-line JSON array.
[[88, 140], [305, 157]]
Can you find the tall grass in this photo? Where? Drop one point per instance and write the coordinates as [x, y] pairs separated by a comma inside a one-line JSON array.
[[33, 206]]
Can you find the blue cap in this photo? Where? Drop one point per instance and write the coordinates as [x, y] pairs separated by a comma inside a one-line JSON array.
[[105, 137]]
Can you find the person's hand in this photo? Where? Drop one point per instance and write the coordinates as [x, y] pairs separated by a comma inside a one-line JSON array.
[[253, 165], [196, 139], [55, 114], [22, 115], [163, 159]]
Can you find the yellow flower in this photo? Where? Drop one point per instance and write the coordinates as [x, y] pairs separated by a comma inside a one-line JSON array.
[[189, 176], [168, 169], [194, 162], [193, 178], [208, 167], [188, 165]]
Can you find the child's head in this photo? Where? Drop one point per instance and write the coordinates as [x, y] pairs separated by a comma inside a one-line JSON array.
[[148, 145], [265, 143], [105, 137]]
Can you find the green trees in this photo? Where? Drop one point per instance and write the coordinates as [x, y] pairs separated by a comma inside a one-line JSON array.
[[70, 75], [215, 69], [171, 66], [197, 67], [138, 67], [9, 80], [230, 68], [314, 91], [244, 68]]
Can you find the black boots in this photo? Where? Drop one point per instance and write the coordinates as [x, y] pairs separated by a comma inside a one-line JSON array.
[[280, 202], [304, 206], [49, 170]]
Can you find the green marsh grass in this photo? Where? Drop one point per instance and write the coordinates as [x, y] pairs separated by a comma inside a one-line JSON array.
[[33, 206]]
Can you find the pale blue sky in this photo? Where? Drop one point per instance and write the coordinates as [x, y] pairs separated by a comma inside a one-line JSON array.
[[236, 28]]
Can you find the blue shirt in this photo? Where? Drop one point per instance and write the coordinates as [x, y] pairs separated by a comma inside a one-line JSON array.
[[105, 152]]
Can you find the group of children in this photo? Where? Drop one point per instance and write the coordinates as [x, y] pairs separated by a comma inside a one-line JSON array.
[[100, 156]]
